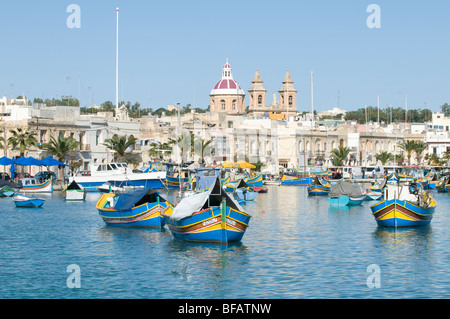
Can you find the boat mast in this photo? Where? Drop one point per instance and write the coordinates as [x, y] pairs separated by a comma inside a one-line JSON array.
[[117, 61], [181, 159]]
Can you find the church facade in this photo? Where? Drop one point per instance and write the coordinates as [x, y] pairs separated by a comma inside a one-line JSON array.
[[227, 96]]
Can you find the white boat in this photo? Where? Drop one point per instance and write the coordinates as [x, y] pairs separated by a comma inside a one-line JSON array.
[[117, 174]]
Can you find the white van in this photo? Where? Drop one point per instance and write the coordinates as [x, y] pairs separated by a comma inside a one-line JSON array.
[[352, 172]]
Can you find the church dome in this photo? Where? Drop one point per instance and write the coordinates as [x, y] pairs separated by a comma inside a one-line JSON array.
[[227, 85]]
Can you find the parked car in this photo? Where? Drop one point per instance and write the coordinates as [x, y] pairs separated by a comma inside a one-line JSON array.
[[43, 176]]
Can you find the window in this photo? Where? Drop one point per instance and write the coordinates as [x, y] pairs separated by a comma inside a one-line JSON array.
[[290, 100], [222, 105], [259, 100], [234, 105]]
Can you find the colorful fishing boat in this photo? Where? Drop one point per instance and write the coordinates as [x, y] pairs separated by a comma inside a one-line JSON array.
[[372, 195], [74, 192], [141, 208], [243, 192], [344, 193], [441, 186], [319, 187], [7, 191], [28, 202], [404, 206], [35, 185], [209, 216], [256, 180], [392, 178], [288, 180], [314, 171]]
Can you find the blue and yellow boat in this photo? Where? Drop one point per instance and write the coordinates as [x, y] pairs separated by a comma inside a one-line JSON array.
[[256, 180], [209, 216], [288, 180], [319, 187], [141, 208], [404, 207]]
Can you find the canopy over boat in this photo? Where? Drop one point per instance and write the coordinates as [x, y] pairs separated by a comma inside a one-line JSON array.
[[126, 201], [211, 197], [343, 188]]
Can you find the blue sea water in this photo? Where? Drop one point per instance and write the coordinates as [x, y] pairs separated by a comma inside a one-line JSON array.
[[296, 247]]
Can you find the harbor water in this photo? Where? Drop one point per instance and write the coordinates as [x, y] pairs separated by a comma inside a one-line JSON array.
[[297, 247]]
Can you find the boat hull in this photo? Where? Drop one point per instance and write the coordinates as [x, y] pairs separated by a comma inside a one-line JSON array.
[[45, 187], [254, 181], [245, 195], [75, 195], [318, 190], [338, 201], [301, 181], [174, 182], [210, 226], [28, 202], [146, 215], [401, 213]]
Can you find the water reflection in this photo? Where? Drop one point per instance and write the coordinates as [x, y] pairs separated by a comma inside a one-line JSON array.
[[391, 236]]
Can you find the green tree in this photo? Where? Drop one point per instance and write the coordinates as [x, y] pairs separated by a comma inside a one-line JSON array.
[[203, 147], [339, 155], [419, 148], [384, 157], [445, 108], [22, 139], [60, 148], [120, 145], [408, 146]]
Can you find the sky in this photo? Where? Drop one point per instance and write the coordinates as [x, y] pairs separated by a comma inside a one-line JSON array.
[[173, 51]]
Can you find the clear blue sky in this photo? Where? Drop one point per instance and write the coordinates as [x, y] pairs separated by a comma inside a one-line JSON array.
[[172, 51]]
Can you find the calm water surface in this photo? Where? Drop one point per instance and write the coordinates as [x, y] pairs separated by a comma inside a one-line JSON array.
[[296, 247]]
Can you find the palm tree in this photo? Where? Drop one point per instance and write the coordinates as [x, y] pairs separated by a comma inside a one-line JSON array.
[[60, 148], [339, 155], [384, 157], [157, 148], [120, 145], [202, 147], [22, 139], [408, 146], [419, 148]]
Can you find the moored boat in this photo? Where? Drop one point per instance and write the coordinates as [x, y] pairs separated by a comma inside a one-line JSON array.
[[441, 185], [287, 180], [28, 202], [244, 192], [209, 216], [319, 187], [255, 180], [140, 208], [404, 206], [35, 185], [7, 191], [344, 193], [74, 192], [117, 174]]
